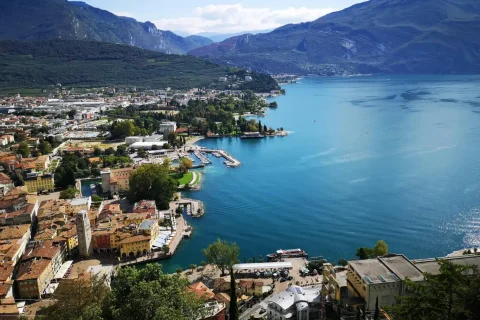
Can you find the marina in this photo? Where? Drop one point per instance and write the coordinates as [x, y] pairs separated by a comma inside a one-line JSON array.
[[200, 153]]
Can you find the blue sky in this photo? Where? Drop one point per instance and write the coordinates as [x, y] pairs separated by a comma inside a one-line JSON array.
[[221, 16]]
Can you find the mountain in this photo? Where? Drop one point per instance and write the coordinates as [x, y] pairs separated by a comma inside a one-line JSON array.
[[39, 64], [378, 36], [219, 37], [72, 20]]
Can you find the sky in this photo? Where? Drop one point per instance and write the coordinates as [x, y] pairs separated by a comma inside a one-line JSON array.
[[221, 16]]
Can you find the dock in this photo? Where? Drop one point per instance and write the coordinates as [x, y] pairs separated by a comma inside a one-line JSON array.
[[202, 157], [230, 161]]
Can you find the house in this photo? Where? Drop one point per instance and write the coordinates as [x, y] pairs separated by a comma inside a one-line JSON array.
[[253, 287], [115, 181], [40, 182], [6, 184], [201, 291], [135, 246], [294, 303], [47, 250], [33, 277], [166, 127], [382, 277]]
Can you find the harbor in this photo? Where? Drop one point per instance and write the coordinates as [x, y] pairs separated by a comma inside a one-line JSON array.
[[200, 153]]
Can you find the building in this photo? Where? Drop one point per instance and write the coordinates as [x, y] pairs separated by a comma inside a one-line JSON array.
[[132, 140], [134, 246], [295, 303], [253, 287], [47, 250], [167, 127], [148, 145], [18, 237], [6, 184], [33, 277], [382, 277], [40, 182], [84, 234], [248, 78], [115, 181]]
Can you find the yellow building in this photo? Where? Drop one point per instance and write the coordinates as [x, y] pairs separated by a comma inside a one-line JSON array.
[[134, 246], [38, 183], [34, 276], [116, 181], [70, 237]]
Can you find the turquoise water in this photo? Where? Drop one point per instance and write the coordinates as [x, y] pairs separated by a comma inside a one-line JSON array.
[[381, 157]]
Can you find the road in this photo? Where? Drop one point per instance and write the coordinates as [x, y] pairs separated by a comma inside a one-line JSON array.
[[254, 310]]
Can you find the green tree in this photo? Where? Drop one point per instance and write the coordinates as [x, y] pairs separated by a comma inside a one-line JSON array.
[[80, 299], [380, 248], [377, 310], [171, 138], [142, 153], [185, 165], [179, 270], [223, 254], [45, 147], [123, 129], [192, 267], [152, 181], [96, 198], [97, 152], [453, 294], [358, 315], [23, 149], [233, 308], [364, 253], [121, 150], [70, 193], [149, 294], [342, 262], [71, 113]]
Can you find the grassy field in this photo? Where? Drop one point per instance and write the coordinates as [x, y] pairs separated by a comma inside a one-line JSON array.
[[183, 179]]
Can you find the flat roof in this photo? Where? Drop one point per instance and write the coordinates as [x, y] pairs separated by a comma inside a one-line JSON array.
[[263, 265], [373, 271], [402, 267], [431, 265]]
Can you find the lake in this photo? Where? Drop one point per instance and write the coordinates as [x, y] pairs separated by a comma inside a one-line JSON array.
[[368, 158]]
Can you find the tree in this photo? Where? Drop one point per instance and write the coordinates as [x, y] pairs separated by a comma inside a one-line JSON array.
[[70, 193], [171, 138], [358, 315], [222, 253], [342, 262], [97, 152], [364, 253], [179, 270], [165, 249], [380, 248], [123, 129], [142, 153], [45, 147], [260, 127], [192, 267], [78, 299], [121, 150], [71, 113], [149, 294], [377, 311], [109, 151], [233, 309], [96, 198], [152, 181], [23, 149], [185, 165], [450, 295]]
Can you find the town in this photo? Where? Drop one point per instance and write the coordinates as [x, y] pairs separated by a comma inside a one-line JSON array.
[[79, 200]]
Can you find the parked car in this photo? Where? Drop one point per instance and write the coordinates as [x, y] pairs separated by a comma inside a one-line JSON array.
[[290, 278], [283, 280], [262, 311]]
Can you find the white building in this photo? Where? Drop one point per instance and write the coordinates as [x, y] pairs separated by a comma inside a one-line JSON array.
[[248, 78], [295, 303], [167, 127], [132, 140], [148, 145]]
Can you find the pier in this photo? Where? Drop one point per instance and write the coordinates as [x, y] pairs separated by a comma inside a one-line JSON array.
[[202, 157], [230, 161]]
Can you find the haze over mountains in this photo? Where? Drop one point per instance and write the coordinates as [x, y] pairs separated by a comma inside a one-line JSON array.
[[61, 19], [391, 36]]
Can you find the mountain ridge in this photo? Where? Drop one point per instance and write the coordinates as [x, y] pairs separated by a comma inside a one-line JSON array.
[[75, 20], [378, 36]]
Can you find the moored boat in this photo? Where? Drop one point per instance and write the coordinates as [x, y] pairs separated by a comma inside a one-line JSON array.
[[252, 135], [291, 253]]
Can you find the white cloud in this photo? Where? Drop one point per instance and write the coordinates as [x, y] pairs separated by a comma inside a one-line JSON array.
[[123, 14], [236, 18]]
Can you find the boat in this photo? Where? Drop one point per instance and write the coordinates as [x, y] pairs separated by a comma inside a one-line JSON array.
[[290, 253], [252, 135]]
